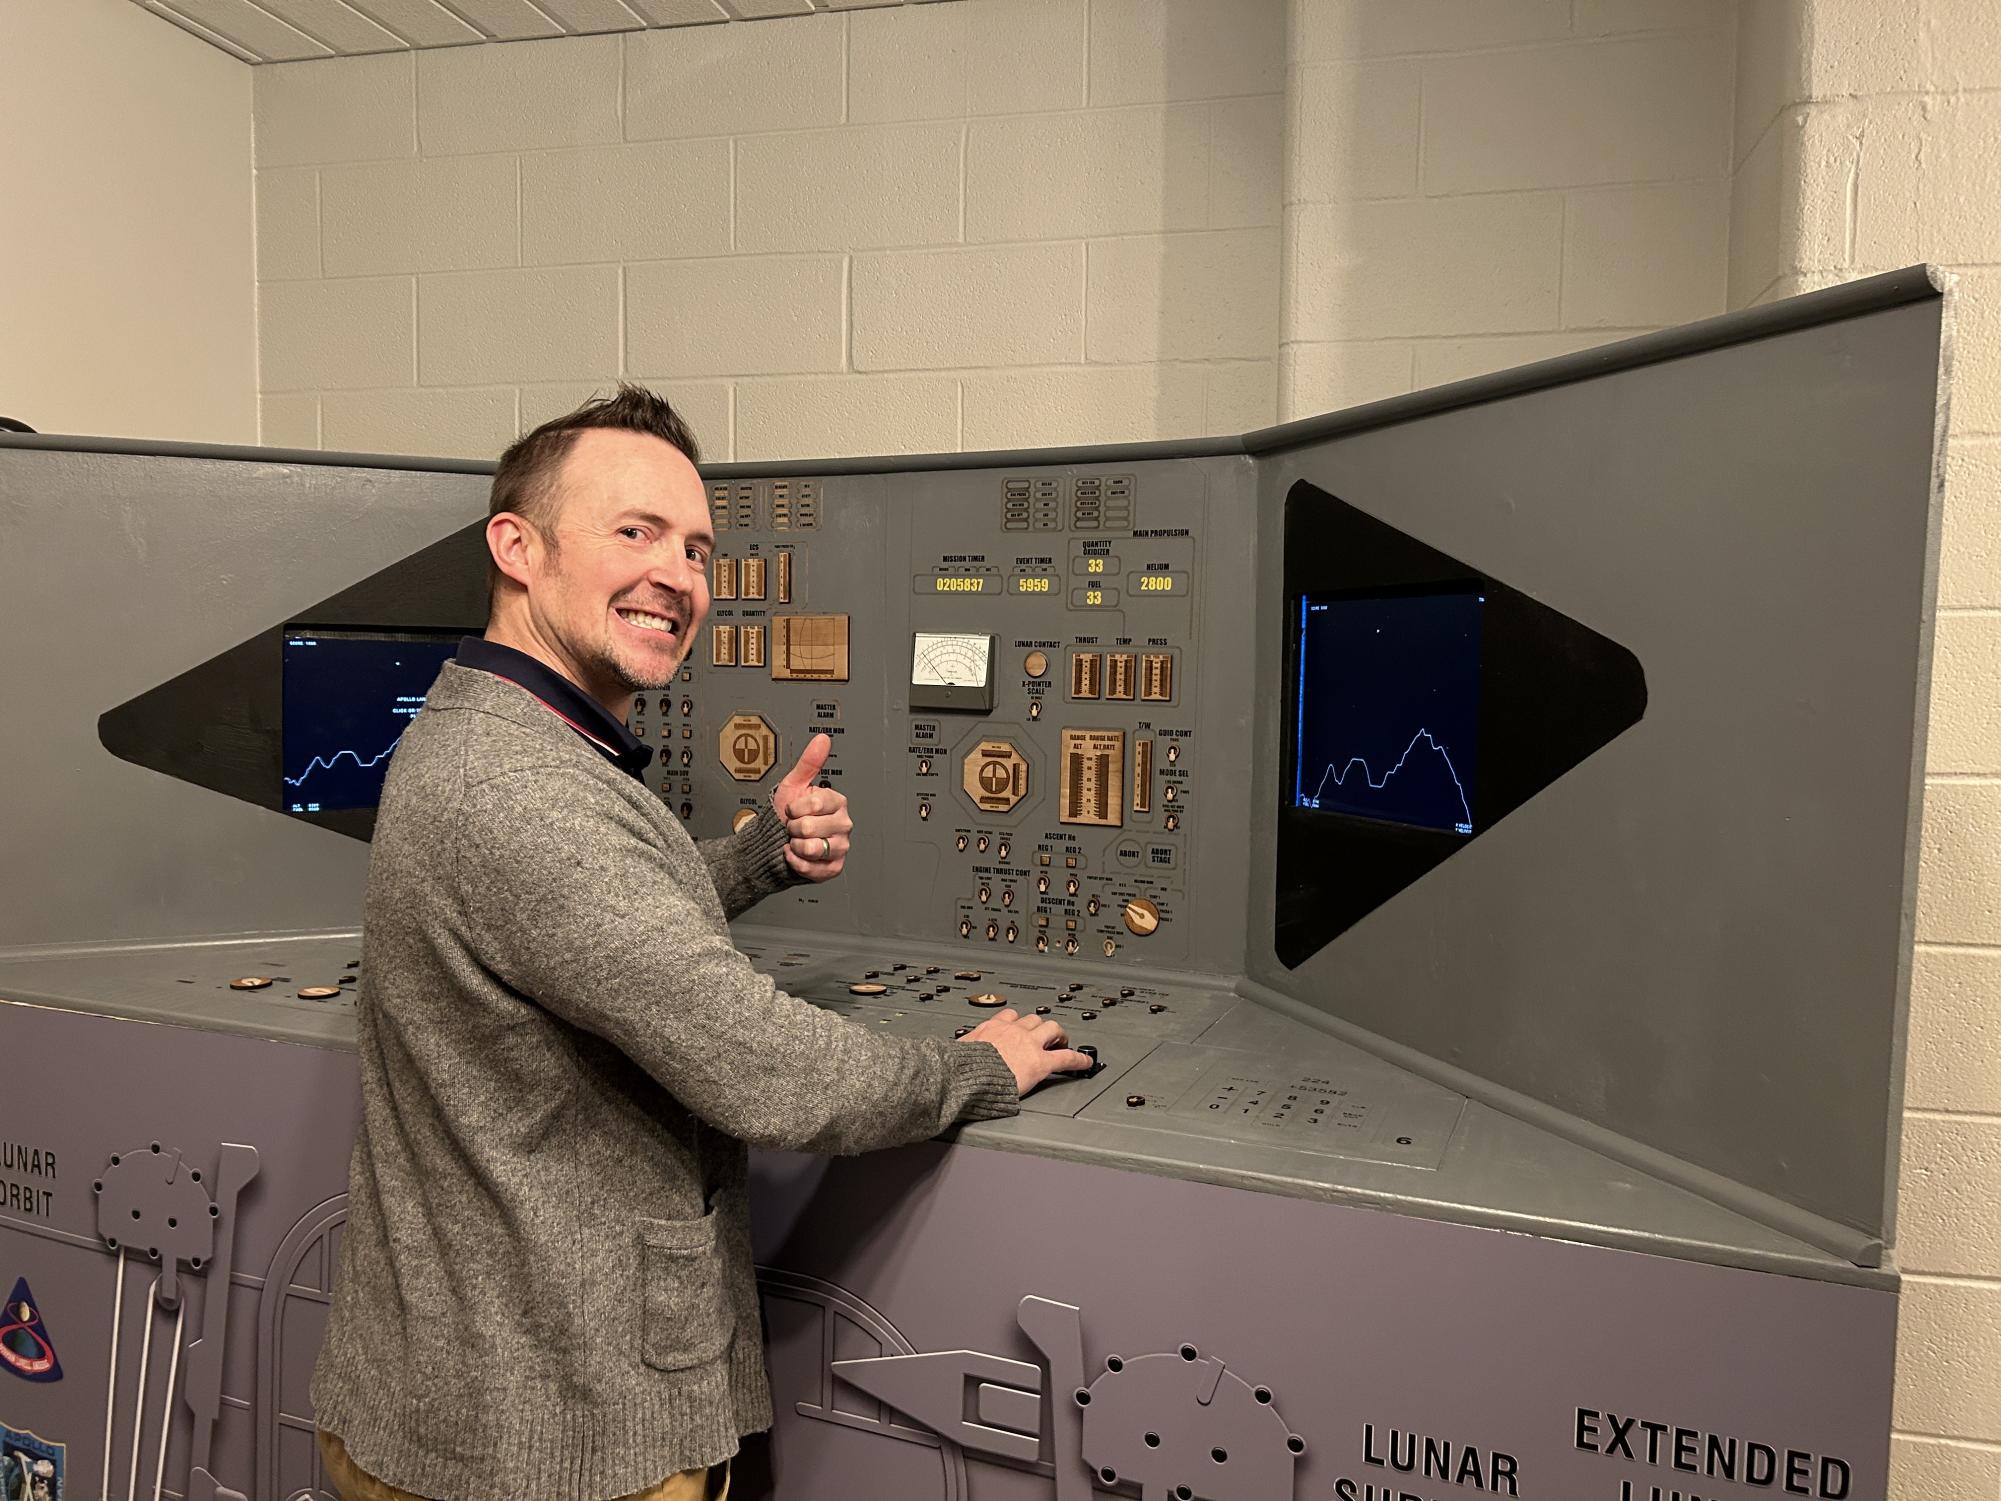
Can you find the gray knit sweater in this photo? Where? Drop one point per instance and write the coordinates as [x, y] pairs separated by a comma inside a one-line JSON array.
[[545, 1285]]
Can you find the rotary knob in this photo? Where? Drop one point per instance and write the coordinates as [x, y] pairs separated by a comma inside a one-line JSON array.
[[1142, 916]]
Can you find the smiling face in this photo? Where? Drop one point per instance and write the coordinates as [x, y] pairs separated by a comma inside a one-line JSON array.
[[614, 587]]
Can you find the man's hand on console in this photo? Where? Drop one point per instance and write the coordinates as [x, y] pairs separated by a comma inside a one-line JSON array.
[[1033, 1046], [815, 817]]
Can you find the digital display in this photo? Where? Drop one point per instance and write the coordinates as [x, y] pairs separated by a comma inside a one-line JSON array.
[[1385, 704], [348, 698]]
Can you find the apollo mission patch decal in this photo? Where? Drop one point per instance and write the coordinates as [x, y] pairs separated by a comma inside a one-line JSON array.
[[25, 1346]]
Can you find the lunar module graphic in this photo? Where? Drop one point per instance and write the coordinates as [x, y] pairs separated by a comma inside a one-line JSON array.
[[153, 1204], [1177, 1425]]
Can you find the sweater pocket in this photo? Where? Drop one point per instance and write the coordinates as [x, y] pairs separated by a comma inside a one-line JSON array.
[[686, 1315]]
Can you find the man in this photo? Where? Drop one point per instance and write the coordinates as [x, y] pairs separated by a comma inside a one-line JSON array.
[[545, 1287]]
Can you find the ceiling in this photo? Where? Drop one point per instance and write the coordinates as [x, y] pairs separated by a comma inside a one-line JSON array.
[[275, 31]]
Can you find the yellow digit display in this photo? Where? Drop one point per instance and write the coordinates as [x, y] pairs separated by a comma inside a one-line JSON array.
[[1031, 585], [958, 585], [1094, 565], [1156, 583], [1093, 597]]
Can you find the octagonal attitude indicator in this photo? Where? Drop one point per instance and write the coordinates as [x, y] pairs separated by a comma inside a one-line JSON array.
[[995, 776], [748, 746]]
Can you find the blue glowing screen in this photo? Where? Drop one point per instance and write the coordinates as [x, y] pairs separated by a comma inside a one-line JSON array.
[[1386, 704], [348, 698]]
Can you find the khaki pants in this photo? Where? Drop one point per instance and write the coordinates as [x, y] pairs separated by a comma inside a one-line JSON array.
[[352, 1483]]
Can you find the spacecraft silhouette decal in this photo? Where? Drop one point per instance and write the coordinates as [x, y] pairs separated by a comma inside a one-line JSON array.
[[1179, 1425]]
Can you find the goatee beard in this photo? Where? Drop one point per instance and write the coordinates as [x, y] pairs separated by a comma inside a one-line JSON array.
[[611, 669]]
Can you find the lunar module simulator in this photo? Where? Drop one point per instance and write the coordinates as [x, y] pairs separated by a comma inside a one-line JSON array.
[[1474, 832]]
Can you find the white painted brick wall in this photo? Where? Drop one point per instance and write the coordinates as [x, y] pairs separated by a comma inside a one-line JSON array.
[[1116, 404], [350, 110], [1943, 1467], [1471, 185], [751, 315], [984, 305], [485, 99], [288, 223], [722, 80], [581, 206], [1088, 172], [335, 335], [859, 187], [1948, 1382], [1885, 149], [1146, 51], [288, 419], [1183, 297], [447, 214], [841, 212], [949, 62], [842, 415], [538, 324], [458, 424]]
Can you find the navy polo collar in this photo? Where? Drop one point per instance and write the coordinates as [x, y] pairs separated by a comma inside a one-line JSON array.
[[584, 714]]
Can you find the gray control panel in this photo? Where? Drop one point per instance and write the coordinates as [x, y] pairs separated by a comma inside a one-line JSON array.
[[1025, 710]]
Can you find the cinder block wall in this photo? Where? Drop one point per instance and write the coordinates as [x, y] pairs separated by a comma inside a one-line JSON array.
[[983, 224], [1878, 143], [1473, 186]]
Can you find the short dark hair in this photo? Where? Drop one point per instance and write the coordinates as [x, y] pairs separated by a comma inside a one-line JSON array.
[[525, 479]]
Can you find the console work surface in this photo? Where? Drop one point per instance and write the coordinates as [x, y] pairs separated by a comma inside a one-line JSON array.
[[1195, 1081]]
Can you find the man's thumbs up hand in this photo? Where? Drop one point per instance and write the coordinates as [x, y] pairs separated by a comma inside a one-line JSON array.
[[816, 818]]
